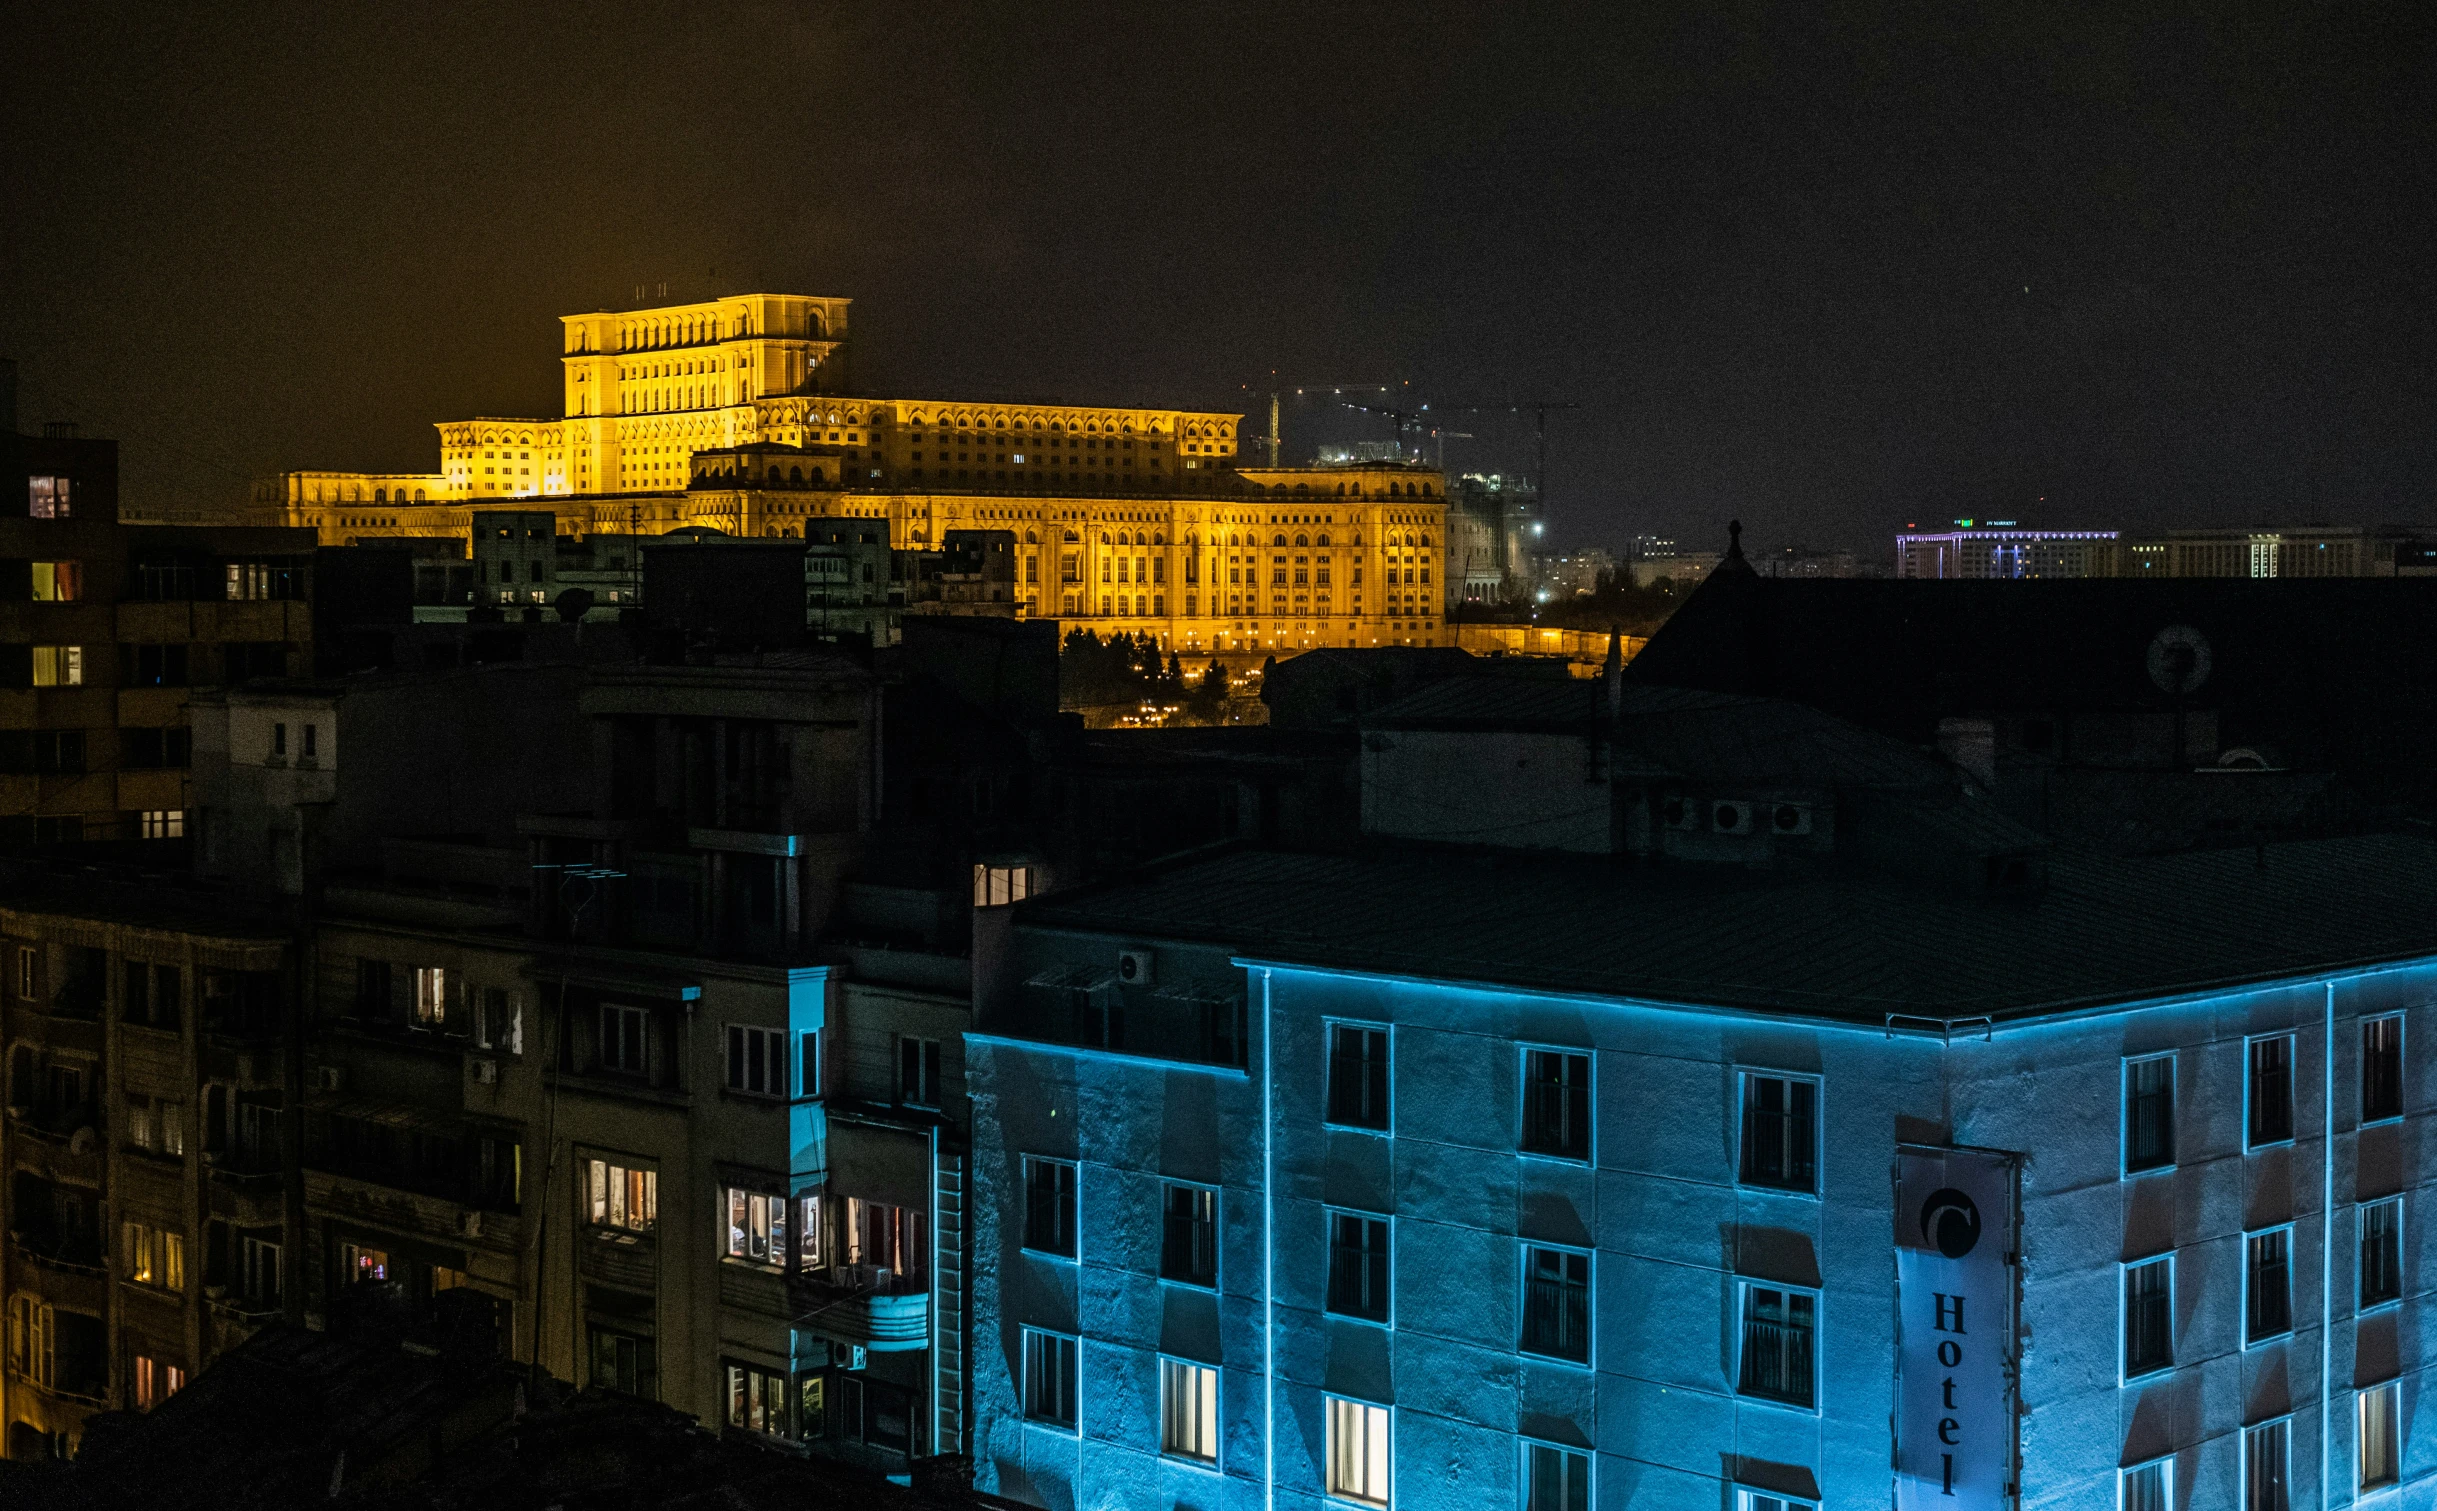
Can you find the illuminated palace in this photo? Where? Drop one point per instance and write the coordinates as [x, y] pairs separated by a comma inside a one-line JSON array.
[[734, 414]]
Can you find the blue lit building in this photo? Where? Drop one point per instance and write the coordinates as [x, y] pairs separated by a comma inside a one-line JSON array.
[[1423, 1177]]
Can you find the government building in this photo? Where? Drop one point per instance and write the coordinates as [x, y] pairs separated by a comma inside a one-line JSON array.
[[735, 414]]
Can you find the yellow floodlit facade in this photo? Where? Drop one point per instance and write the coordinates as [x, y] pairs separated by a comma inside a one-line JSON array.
[[732, 414]]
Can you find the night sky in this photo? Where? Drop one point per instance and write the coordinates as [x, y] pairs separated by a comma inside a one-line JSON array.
[[1826, 268]]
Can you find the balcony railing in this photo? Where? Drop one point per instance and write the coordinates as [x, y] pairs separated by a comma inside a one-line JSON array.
[[883, 1310]]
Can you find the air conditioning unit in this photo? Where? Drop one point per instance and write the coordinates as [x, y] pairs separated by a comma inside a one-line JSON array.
[[1681, 813], [845, 1355], [1731, 818], [469, 1224], [329, 1078], [1790, 818], [484, 1072], [1134, 967]]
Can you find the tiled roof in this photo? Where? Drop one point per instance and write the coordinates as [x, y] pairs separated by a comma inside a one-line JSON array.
[[1836, 941]]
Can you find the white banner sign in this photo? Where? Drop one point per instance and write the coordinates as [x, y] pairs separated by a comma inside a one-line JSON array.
[[1954, 1227]]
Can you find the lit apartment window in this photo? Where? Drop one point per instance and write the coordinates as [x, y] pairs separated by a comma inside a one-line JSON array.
[[1188, 1238], [623, 1198], [2381, 1256], [431, 997], [358, 1264], [917, 1071], [59, 581], [49, 497], [622, 1038], [59, 666], [1358, 1075], [1557, 1304], [757, 1061], [1358, 1451], [757, 1227], [1780, 1326], [1557, 1103], [2149, 1301], [2266, 1466], [1761, 1500], [2268, 1091], [2267, 1285], [1360, 1266], [164, 823], [2378, 1461], [155, 1256], [1188, 1410], [31, 1354], [2146, 1487], [757, 1400], [1049, 1206], [2382, 1068], [1555, 1479], [156, 1380], [997, 886], [1780, 1132], [2149, 1113], [1049, 1378]]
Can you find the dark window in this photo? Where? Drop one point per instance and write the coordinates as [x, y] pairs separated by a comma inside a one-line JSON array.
[[2381, 1253], [1778, 1328], [155, 665], [622, 1038], [1049, 1207], [2271, 1082], [1557, 1103], [1358, 1076], [2149, 1343], [757, 1062], [1188, 1241], [918, 1071], [373, 990], [1557, 1304], [2381, 1069], [2267, 1285], [2149, 1113], [1358, 1266], [808, 1083], [1780, 1132], [1049, 1378], [2263, 1467], [624, 1363], [1559, 1479]]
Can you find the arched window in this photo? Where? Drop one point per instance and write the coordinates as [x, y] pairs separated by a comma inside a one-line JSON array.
[[380, 495], [1032, 538], [1159, 537], [774, 472], [1281, 540], [1303, 540], [418, 495], [1425, 542], [1073, 539], [1324, 540], [795, 474]]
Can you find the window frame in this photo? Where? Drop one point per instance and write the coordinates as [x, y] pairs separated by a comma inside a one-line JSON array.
[[1744, 1286], [1218, 1258], [1387, 1223], [2361, 1210], [2249, 1238], [1218, 1435], [734, 1372], [1074, 1213], [2392, 1390], [2124, 1105], [1330, 1401], [1524, 1447], [930, 1065], [1749, 1499], [1074, 1382], [2123, 1323], [2250, 1077], [2402, 1065], [1329, 1027], [736, 1061], [2164, 1464], [736, 1243], [1590, 1095], [622, 1012], [2283, 1427], [1524, 1249], [1744, 1076]]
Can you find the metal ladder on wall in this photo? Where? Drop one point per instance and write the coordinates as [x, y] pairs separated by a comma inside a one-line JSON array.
[[948, 1295]]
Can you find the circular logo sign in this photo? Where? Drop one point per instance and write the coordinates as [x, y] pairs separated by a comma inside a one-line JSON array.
[[1950, 1222]]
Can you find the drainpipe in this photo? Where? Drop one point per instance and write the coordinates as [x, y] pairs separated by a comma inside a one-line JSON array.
[[936, 1274], [2327, 1253], [1269, 1264]]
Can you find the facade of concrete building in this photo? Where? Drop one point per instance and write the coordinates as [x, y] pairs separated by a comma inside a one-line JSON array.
[[1302, 1180], [2002, 550]]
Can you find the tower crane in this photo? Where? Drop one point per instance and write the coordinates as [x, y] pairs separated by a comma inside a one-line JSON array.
[[1334, 390]]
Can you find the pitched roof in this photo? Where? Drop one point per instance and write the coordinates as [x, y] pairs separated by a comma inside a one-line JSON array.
[[1836, 941]]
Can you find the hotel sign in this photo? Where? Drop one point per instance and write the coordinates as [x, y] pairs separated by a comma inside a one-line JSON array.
[[1954, 1243]]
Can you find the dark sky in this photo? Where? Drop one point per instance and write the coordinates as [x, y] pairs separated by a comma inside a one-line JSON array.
[[1827, 268]]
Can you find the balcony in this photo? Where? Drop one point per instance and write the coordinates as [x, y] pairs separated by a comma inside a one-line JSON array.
[[884, 1311]]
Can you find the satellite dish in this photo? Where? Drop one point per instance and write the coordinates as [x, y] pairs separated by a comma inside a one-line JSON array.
[[82, 1140], [2179, 660]]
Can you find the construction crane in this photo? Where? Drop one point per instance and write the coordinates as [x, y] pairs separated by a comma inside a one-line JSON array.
[[1405, 417], [1539, 409], [1334, 390]]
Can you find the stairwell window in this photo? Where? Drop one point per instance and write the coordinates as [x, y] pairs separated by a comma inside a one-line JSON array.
[[2268, 1091], [2378, 1455], [1049, 1378], [2149, 1302], [1779, 1357], [1555, 1479], [757, 1061], [1188, 1411], [1557, 1103], [2382, 1068], [917, 1071], [2267, 1466], [1780, 1131], [1049, 1206], [2381, 1254], [2149, 1113], [2267, 1285], [1359, 1079], [1360, 1451]]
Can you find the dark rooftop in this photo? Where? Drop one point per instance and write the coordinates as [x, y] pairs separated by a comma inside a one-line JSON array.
[[1837, 941]]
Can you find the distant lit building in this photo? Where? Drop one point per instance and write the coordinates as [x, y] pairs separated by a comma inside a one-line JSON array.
[[2001, 549], [1576, 573], [2301, 551]]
